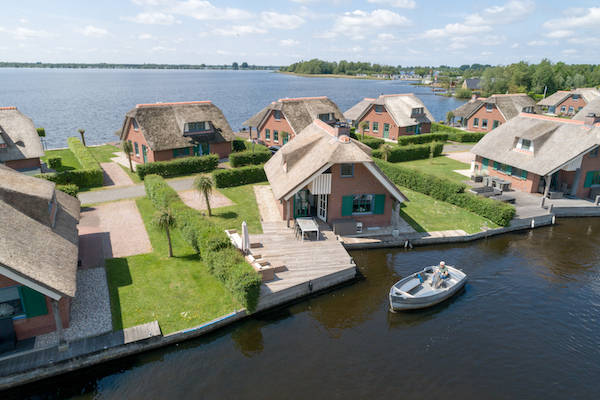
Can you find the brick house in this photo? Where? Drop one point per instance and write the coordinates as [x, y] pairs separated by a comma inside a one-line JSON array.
[[593, 107], [390, 116], [568, 102], [485, 114], [537, 153], [20, 144], [473, 84], [38, 256], [282, 120], [325, 174], [164, 131]]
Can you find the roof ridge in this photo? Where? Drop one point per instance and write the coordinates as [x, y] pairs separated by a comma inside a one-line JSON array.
[[397, 94], [326, 127], [8, 108], [555, 119], [176, 103], [302, 98]]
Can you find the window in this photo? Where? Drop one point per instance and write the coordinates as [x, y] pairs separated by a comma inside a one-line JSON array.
[[526, 144], [575, 97], [131, 144], [563, 108], [347, 170], [507, 169], [285, 137], [325, 117], [183, 152], [519, 173], [137, 149], [484, 163], [411, 129], [497, 165], [267, 134], [367, 124], [10, 302], [495, 124], [375, 126], [418, 110], [191, 127], [277, 114], [484, 123], [257, 134], [276, 136], [594, 153], [592, 178], [475, 121], [378, 109], [571, 109], [362, 204], [489, 107], [135, 125]]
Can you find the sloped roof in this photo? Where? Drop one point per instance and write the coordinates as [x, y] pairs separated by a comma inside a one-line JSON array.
[[18, 132], [593, 107], [31, 246], [556, 142], [473, 83], [299, 112], [510, 105], [310, 152], [162, 124], [468, 109], [399, 106], [554, 99]]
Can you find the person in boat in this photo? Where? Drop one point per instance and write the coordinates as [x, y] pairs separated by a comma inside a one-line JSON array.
[[444, 274]]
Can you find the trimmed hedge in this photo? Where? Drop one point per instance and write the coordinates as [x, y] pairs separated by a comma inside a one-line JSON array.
[[437, 127], [424, 138], [69, 189], [373, 143], [248, 157], [238, 144], [457, 135], [83, 154], [409, 153], [182, 166], [54, 162], [450, 192], [211, 243], [239, 176]]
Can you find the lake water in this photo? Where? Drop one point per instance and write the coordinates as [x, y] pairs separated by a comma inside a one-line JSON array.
[[526, 326], [65, 100]]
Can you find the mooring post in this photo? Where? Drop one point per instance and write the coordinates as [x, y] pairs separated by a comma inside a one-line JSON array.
[[597, 202]]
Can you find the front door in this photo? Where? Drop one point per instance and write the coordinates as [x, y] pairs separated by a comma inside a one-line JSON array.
[[386, 131], [322, 207], [301, 204], [202, 149], [145, 153]]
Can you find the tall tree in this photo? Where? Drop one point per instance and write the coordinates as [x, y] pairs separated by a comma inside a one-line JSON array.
[[128, 149], [165, 220], [363, 125], [204, 184]]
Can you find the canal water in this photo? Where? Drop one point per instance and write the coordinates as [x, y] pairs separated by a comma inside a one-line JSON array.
[[526, 326]]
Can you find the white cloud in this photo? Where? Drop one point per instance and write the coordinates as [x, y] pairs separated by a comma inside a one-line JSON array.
[[281, 21], [396, 3], [223, 52], [93, 31], [152, 18], [559, 34], [23, 21], [239, 30], [537, 43], [569, 51], [21, 33], [385, 36], [505, 14], [357, 24], [145, 36], [456, 29], [576, 18], [289, 42], [486, 53], [162, 49], [514, 45], [204, 10]]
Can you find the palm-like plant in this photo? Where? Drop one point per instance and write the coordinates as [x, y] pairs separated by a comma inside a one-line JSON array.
[[363, 126], [204, 184], [82, 133], [165, 220], [449, 117], [386, 150], [128, 149]]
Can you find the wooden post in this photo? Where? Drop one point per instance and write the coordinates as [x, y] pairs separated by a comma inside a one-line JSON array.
[[287, 214], [546, 189], [62, 345]]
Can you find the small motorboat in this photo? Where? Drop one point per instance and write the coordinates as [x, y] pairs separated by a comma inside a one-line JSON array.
[[425, 288]]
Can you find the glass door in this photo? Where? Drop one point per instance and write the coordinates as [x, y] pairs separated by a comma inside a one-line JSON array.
[[301, 204], [145, 153], [322, 207], [386, 131]]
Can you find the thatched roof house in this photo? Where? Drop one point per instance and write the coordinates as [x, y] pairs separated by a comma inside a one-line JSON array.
[[20, 145], [593, 107], [588, 94], [401, 107], [485, 114]]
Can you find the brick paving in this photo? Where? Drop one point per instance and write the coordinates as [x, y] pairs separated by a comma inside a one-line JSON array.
[[114, 175]]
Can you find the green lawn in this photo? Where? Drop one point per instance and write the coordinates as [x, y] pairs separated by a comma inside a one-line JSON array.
[[426, 214], [442, 167], [179, 292], [244, 209], [69, 162], [134, 177], [103, 153]]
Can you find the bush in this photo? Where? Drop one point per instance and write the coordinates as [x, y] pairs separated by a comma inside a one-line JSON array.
[[248, 158], [239, 144], [41, 132], [69, 189], [409, 153], [159, 192], [438, 149], [353, 133], [373, 143], [182, 166], [467, 137], [424, 138], [54, 162], [239, 176], [83, 154], [437, 127], [463, 93], [80, 177], [450, 192]]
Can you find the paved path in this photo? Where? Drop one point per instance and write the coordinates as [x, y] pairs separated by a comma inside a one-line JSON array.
[[114, 175], [462, 156], [458, 147], [267, 205], [194, 199], [129, 192], [122, 159]]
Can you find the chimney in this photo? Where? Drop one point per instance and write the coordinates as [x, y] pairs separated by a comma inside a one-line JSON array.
[[473, 97], [591, 118], [341, 129]]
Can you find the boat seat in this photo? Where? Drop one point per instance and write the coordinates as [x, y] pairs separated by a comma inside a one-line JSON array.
[[410, 285]]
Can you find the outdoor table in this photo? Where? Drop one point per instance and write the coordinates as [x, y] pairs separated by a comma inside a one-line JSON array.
[[306, 225]]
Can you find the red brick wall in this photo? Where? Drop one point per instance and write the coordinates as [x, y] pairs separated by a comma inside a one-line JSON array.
[[280, 126], [482, 114], [26, 163], [382, 118], [587, 164], [163, 155], [137, 136], [363, 182], [569, 102], [529, 185], [222, 149]]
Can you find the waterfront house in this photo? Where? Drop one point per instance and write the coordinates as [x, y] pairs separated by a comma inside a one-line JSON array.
[[568, 102], [164, 131], [326, 174], [20, 144], [38, 255], [538, 153], [390, 116], [593, 107], [485, 114], [283, 119], [473, 84]]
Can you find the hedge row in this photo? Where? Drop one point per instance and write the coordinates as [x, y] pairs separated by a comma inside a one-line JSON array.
[[83, 154], [424, 138], [373, 143], [89, 176], [437, 127], [457, 135], [69, 189], [239, 176], [248, 157], [211, 243], [54, 162], [450, 192], [411, 152], [181, 166]]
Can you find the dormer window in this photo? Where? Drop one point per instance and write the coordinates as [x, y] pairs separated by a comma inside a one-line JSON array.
[[277, 114], [418, 110], [192, 127], [326, 117], [489, 107], [378, 109], [3, 144], [575, 97], [525, 144], [136, 127]]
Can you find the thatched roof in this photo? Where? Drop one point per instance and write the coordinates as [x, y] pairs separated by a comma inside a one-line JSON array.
[[18, 137], [37, 246], [162, 124], [317, 146], [399, 106], [556, 142], [299, 112], [472, 83], [593, 107], [555, 99], [510, 105]]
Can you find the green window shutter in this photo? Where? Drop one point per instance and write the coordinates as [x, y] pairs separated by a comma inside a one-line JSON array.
[[509, 170], [589, 178], [496, 165], [523, 174], [33, 302], [484, 163], [379, 206], [347, 205]]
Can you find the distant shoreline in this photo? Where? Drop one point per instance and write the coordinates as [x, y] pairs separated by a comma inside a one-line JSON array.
[[333, 76]]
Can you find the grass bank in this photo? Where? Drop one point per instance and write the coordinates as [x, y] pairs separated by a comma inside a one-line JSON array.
[[442, 167]]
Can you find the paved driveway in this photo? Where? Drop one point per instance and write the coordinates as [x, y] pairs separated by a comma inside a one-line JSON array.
[[114, 175]]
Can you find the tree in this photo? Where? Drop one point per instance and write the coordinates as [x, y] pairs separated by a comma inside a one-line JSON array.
[[164, 220], [462, 93], [128, 149], [204, 184], [386, 150], [244, 65], [449, 117], [82, 133], [363, 125], [235, 66]]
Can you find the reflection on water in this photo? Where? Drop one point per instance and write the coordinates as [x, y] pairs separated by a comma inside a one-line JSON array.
[[525, 326]]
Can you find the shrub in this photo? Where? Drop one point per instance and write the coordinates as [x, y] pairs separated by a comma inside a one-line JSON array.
[[187, 165], [467, 137], [248, 158], [353, 133], [83, 154], [41, 132], [438, 149], [412, 152], [463, 93], [373, 143], [437, 127], [424, 138], [159, 192], [450, 192], [239, 144], [55, 162], [239, 176], [69, 189]]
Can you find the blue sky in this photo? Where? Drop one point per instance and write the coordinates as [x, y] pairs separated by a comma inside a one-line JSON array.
[[397, 32]]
